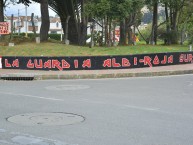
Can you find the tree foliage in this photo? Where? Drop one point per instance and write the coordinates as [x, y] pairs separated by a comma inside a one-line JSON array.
[[75, 15]]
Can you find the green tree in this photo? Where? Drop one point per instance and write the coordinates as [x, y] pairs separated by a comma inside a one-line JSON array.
[[113, 11], [99, 9], [173, 12], [134, 19], [185, 22]]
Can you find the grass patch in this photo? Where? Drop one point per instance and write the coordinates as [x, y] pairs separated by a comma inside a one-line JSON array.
[[58, 49]]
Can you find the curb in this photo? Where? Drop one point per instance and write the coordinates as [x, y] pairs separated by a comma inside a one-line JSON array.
[[36, 76], [115, 75]]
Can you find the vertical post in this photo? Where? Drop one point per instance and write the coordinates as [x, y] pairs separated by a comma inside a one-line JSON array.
[[92, 35], [33, 25], [61, 33], [25, 21], [190, 47], [114, 29], [12, 28], [18, 27], [66, 31]]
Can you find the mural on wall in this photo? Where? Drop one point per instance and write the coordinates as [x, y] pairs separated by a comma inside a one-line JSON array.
[[96, 62]]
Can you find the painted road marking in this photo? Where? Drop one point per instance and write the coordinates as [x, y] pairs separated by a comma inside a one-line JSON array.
[[17, 138], [31, 96]]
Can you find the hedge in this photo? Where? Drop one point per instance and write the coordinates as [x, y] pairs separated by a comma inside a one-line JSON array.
[[51, 36]]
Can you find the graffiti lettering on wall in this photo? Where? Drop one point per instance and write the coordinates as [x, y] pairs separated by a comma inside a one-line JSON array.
[[96, 62]]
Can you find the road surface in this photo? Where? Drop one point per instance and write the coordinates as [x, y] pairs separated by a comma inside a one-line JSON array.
[[129, 111]]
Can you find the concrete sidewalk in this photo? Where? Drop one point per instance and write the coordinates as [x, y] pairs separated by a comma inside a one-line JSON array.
[[95, 74]]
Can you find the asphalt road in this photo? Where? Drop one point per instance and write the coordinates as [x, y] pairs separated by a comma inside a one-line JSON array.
[[136, 111]]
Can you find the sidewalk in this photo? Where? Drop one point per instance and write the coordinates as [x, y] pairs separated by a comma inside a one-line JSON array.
[[95, 74]]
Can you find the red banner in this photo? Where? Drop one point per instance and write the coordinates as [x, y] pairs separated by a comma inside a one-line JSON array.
[[4, 28]]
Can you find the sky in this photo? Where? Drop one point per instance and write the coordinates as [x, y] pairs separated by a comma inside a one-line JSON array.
[[33, 8]]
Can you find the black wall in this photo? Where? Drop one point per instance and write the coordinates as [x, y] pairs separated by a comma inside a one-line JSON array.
[[96, 62]]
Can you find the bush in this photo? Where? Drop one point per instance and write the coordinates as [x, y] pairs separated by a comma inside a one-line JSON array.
[[31, 37], [4, 38], [20, 39], [55, 36], [51, 36]]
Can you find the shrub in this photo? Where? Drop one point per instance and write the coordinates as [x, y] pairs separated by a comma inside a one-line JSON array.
[[20, 39], [51, 36], [55, 36]]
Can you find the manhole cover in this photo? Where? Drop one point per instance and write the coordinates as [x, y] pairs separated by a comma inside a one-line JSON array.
[[46, 119], [68, 87]]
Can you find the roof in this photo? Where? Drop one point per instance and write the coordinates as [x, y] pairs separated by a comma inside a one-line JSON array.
[[52, 19]]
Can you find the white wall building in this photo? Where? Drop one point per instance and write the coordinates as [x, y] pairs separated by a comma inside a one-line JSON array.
[[21, 27]]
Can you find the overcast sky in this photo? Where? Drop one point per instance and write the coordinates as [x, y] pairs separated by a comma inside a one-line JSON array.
[[33, 8]]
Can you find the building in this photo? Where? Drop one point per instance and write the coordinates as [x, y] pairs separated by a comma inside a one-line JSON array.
[[20, 25]]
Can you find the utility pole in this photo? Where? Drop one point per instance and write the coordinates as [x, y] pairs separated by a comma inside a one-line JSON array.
[[18, 27], [25, 21]]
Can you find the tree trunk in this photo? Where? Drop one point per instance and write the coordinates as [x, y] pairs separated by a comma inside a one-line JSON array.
[[130, 36], [83, 32], [74, 26], [1, 11], [174, 39], [167, 38], [174, 20], [109, 35], [45, 26], [154, 24], [122, 33], [78, 21], [106, 30], [102, 35], [146, 40], [83, 26], [73, 32]]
